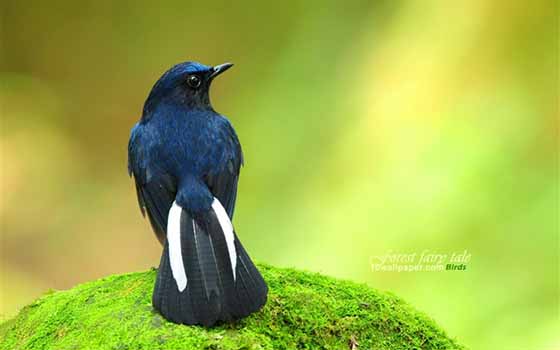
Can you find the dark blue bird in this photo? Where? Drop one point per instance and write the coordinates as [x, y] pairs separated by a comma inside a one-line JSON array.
[[185, 158]]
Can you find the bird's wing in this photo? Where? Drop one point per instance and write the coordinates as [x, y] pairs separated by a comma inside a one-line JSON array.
[[223, 183], [155, 190]]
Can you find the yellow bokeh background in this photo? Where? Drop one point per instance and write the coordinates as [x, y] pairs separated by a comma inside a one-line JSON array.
[[368, 127]]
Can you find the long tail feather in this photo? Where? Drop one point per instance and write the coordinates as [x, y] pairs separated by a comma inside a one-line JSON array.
[[205, 275]]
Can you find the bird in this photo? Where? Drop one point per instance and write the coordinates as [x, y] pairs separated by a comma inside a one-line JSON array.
[[185, 159]]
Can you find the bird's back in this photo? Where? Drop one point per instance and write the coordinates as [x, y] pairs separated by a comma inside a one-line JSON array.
[[193, 143]]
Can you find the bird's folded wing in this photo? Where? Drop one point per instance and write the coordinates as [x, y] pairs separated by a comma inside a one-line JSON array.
[[156, 192], [223, 184]]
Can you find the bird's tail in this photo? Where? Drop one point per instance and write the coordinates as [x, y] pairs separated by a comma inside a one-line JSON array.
[[205, 274]]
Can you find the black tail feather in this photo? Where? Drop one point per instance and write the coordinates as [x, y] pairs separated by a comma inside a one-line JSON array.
[[250, 289], [212, 294]]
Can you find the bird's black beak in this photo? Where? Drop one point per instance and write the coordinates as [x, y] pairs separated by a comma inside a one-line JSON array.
[[219, 69]]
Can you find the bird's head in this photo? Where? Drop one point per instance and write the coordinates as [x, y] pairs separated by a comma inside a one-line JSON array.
[[186, 84]]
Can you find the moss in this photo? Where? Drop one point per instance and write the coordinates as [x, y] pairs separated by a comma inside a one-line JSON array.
[[304, 311]]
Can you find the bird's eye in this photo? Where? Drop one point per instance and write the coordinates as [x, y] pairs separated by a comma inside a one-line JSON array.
[[193, 81]]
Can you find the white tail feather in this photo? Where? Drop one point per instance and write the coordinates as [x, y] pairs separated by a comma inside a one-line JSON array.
[[227, 228], [174, 241]]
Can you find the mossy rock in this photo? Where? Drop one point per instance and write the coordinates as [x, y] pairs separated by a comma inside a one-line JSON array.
[[304, 311]]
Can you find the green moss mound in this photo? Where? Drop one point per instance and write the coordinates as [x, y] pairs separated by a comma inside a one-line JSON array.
[[304, 311]]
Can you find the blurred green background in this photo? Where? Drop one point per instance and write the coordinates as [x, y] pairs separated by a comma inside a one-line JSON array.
[[367, 127]]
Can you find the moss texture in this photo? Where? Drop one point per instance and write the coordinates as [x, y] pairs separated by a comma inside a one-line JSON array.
[[304, 311]]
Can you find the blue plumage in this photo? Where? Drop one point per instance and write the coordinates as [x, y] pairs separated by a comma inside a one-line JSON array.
[[184, 152]]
